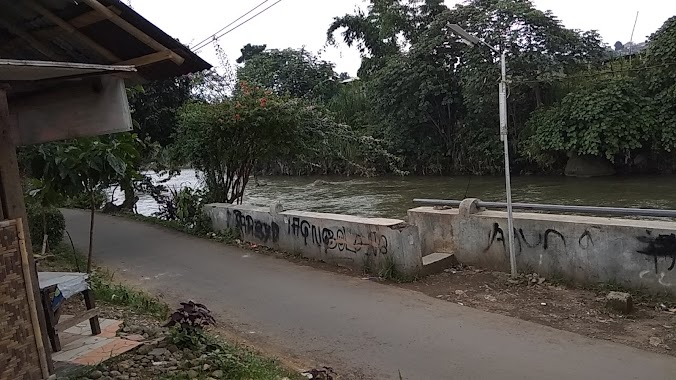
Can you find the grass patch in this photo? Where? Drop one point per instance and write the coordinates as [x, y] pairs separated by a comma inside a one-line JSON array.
[[639, 294], [111, 293], [200, 230], [389, 271], [105, 289], [236, 361], [173, 224], [642, 295]]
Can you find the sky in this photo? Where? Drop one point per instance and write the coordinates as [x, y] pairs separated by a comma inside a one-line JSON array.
[[303, 23]]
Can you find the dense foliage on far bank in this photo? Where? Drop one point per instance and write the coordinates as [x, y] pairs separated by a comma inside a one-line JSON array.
[[424, 103], [434, 99]]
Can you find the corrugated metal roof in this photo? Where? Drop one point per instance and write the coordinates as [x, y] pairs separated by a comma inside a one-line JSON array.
[[26, 34]]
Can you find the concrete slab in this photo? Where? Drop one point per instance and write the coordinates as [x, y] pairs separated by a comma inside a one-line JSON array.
[[114, 347], [437, 262], [79, 347]]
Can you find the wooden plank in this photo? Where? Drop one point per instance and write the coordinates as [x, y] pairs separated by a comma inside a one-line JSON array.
[[70, 322], [91, 17], [131, 29], [37, 45], [91, 107], [147, 59], [30, 296], [2, 211], [84, 20], [94, 324], [23, 70], [13, 200], [107, 54], [45, 295]]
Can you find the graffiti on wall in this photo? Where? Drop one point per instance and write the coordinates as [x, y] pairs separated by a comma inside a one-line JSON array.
[[544, 239], [585, 240], [660, 246], [339, 238], [371, 244], [259, 229]]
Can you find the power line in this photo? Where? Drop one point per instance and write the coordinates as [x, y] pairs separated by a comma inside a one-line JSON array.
[[197, 48], [234, 21], [236, 26]]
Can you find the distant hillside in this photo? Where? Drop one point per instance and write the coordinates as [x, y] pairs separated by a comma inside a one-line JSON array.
[[621, 49]]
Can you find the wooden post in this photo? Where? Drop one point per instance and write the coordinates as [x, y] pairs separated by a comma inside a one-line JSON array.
[[13, 202], [90, 304], [30, 295], [51, 319], [2, 209]]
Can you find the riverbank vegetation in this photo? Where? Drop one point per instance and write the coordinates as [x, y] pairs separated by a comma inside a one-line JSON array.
[[435, 100], [423, 103], [427, 103]]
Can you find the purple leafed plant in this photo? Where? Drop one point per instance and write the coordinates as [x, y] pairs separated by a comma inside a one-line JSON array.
[[191, 315], [324, 373]]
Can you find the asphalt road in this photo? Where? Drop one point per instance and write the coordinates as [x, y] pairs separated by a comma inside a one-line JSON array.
[[361, 328]]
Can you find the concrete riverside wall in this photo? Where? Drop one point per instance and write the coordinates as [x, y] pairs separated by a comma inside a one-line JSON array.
[[373, 243], [634, 253]]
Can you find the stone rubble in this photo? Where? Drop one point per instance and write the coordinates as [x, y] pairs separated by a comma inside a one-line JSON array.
[[157, 356], [620, 302]]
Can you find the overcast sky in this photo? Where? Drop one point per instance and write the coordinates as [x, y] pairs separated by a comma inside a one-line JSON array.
[[298, 23]]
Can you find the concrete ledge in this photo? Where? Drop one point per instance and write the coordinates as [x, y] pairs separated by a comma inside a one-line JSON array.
[[634, 253], [362, 243]]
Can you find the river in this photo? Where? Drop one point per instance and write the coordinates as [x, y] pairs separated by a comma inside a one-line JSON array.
[[392, 196]]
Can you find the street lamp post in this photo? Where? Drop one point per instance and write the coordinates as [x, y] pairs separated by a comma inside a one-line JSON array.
[[471, 41]]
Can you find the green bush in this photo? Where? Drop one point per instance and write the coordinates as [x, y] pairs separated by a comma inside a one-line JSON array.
[[83, 201], [54, 221]]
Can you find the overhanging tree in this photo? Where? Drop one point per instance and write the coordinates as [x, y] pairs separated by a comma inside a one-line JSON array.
[[437, 100], [297, 73], [84, 166], [607, 117], [227, 141]]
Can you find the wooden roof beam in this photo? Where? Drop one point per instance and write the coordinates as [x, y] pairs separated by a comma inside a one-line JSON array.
[[37, 45], [131, 29], [148, 59], [81, 21], [91, 17], [107, 54]]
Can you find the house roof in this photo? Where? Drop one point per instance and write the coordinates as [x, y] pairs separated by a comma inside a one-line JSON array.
[[105, 32], [17, 71]]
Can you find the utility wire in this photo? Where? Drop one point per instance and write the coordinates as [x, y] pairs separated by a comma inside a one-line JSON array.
[[227, 26], [215, 38]]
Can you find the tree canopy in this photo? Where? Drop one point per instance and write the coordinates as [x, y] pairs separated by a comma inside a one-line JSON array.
[[296, 73], [435, 101]]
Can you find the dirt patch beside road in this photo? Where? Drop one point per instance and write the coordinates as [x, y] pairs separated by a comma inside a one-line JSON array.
[[652, 325]]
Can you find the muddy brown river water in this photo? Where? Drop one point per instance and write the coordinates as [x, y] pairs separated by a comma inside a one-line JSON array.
[[392, 196]]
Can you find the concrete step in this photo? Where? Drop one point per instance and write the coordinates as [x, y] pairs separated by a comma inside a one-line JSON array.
[[437, 262]]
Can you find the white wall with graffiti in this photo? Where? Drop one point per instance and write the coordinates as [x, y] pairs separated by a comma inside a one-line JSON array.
[[362, 243], [634, 253]]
